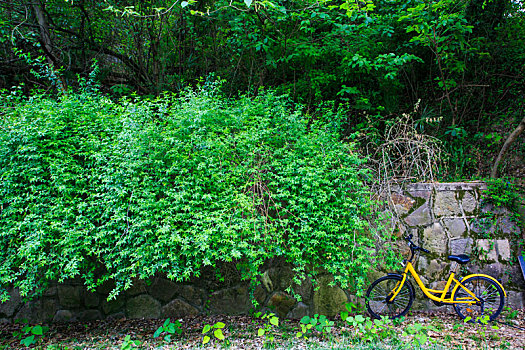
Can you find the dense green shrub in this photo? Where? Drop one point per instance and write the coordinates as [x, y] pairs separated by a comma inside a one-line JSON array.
[[101, 190]]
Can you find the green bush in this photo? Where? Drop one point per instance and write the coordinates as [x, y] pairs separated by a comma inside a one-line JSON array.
[[101, 190]]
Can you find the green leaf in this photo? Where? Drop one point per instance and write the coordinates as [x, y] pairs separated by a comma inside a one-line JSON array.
[[299, 335], [166, 323], [158, 332], [37, 330], [305, 319], [167, 338], [260, 332], [184, 4], [218, 334], [28, 341], [275, 321], [219, 325], [248, 2], [206, 329], [206, 339]]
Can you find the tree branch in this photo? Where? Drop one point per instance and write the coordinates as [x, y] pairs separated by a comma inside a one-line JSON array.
[[512, 137]]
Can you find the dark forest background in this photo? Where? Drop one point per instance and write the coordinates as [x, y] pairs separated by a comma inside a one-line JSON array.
[[457, 67]]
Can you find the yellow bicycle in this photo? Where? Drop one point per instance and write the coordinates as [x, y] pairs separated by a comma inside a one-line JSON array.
[[476, 296]]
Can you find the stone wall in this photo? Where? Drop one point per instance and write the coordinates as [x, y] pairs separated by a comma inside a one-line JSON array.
[[448, 218], [444, 218]]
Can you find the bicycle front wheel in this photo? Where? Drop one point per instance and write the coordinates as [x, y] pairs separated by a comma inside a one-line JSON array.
[[378, 297], [491, 299]]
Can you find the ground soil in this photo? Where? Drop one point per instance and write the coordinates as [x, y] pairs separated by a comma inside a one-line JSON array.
[[445, 330]]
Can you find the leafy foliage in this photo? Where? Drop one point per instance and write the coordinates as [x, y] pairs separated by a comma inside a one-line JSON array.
[[30, 335], [168, 328], [217, 333], [110, 191]]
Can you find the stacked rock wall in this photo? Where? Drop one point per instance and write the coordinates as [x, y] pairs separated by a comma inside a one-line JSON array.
[[452, 218], [444, 218]]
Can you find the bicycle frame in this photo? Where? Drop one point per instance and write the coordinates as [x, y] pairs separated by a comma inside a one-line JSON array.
[[428, 292]]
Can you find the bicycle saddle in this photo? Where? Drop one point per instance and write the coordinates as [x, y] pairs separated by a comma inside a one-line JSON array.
[[460, 259]]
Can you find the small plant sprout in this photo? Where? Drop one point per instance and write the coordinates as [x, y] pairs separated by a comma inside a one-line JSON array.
[[30, 335], [419, 333], [217, 333], [271, 321], [168, 329], [127, 343], [317, 322]]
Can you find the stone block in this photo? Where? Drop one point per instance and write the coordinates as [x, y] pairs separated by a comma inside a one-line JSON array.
[[260, 295], [8, 308], [437, 268], [230, 301], [515, 300], [91, 300], [64, 316], [305, 289], [143, 306], [401, 203], [420, 193], [193, 295], [460, 246], [438, 285], [456, 227], [89, 315], [281, 303], [419, 217], [490, 208], [177, 309], [503, 249], [298, 312], [446, 204], [32, 310], [138, 287], [482, 226], [51, 291], [487, 250], [281, 277], [508, 227], [112, 306], [69, 296], [328, 301], [422, 265], [117, 316], [162, 289], [469, 203], [435, 239], [49, 308], [495, 270]]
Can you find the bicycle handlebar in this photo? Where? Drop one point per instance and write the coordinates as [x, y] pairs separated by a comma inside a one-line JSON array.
[[413, 246]]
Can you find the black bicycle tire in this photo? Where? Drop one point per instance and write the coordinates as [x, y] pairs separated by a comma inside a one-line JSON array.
[[407, 284], [497, 287]]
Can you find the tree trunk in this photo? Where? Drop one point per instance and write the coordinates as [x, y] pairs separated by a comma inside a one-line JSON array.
[[512, 137], [48, 45]]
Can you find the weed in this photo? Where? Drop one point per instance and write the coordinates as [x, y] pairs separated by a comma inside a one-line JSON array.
[[30, 335], [127, 343], [266, 330], [168, 329], [317, 322], [217, 333]]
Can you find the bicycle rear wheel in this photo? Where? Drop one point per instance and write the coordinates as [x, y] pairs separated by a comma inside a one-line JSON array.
[[379, 293], [490, 294]]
